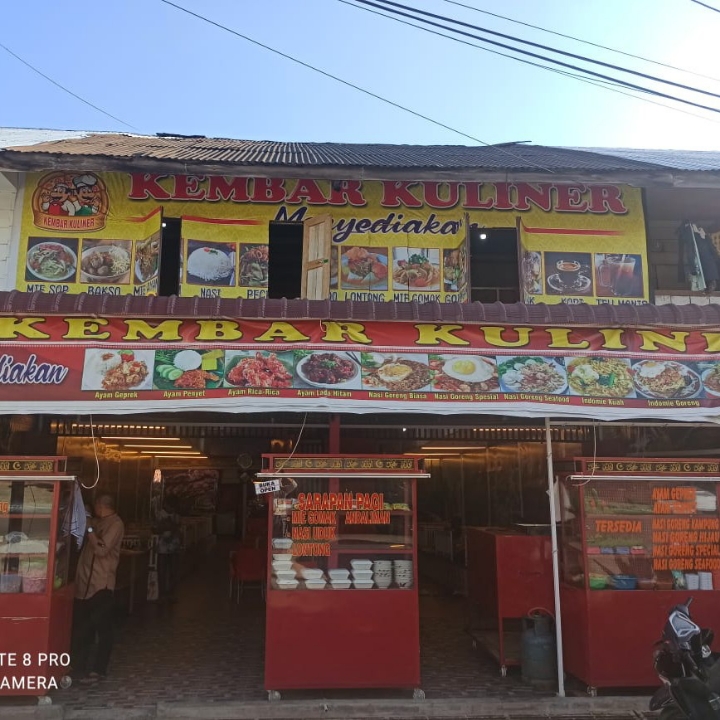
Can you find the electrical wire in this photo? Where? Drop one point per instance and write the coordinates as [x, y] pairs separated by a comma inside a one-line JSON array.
[[547, 48], [602, 84], [591, 73], [64, 89], [369, 93], [580, 40], [705, 5], [97, 459]]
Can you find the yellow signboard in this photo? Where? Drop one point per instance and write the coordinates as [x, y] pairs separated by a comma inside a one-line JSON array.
[[391, 240]]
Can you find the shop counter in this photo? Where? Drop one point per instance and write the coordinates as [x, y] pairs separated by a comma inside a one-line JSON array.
[[509, 574], [637, 538]]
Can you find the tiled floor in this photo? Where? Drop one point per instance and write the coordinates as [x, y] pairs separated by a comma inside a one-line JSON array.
[[206, 648]]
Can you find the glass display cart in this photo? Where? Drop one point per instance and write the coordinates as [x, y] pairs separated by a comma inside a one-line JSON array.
[[36, 597], [638, 537], [342, 596]]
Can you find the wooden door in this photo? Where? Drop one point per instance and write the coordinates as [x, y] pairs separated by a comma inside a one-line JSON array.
[[317, 239]]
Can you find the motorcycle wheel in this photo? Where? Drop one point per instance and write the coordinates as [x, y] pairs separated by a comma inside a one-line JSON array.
[[672, 712]]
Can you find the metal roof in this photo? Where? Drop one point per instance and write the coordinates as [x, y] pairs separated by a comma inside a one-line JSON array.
[[219, 151], [18, 137], [19, 303], [692, 160]]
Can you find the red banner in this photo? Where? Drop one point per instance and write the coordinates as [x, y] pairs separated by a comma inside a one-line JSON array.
[[115, 365]]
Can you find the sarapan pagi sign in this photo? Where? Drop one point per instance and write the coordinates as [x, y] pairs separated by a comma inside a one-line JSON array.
[[120, 365]]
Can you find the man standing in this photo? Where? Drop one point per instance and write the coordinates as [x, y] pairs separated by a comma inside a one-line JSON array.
[[94, 586]]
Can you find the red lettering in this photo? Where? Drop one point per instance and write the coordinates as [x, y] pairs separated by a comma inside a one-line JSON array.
[[473, 197], [529, 194], [187, 187], [348, 192], [233, 189], [147, 185], [569, 198], [432, 194], [268, 190], [607, 199], [307, 190], [502, 197], [397, 193]]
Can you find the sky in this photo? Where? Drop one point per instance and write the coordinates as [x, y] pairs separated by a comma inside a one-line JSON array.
[[161, 70]]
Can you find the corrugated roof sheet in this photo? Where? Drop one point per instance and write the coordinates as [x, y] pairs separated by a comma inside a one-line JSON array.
[[514, 157], [673, 316], [693, 160], [18, 137]]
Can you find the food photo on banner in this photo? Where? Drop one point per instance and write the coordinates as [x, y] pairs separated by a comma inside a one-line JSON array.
[[386, 240], [248, 366], [191, 492]]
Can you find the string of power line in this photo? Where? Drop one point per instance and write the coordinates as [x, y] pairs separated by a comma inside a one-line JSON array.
[[347, 83], [705, 5], [599, 46], [390, 4], [548, 48], [590, 73], [603, 85], [64, 89]]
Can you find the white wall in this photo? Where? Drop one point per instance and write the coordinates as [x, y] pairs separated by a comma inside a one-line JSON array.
[[8, 195]]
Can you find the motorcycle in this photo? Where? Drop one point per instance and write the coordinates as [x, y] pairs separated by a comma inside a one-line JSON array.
[[688, 670]]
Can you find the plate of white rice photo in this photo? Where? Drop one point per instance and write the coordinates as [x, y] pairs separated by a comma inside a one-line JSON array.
[[210, 263]]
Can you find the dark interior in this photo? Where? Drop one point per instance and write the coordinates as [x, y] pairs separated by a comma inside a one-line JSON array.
[[169, 283], [494, 265], [285, 260]]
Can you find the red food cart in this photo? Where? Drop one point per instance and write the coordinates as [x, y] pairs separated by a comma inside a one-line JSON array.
[[509, 575], [36, 599], [638, 537], [342, 596]]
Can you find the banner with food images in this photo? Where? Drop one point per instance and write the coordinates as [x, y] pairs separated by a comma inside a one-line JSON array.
[[121, 365], [392, 240], [604, 265], [77, 244]]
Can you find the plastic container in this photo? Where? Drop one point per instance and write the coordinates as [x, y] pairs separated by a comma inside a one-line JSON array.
[[340, 584], [311, 574], [363, 585], [361, 564], [285, 575], [287, 584], [339, 574], [624, 582], [10, 583], [598, 582], [315, 584]]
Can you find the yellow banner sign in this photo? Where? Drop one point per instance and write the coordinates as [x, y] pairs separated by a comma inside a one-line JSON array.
[[390, 240]]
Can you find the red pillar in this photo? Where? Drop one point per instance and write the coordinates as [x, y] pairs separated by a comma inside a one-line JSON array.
[[334, 438]]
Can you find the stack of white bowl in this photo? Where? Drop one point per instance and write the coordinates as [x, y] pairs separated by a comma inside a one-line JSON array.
[[403, 573], [362, 574], [339, 578], [285, 574], [383, 573]]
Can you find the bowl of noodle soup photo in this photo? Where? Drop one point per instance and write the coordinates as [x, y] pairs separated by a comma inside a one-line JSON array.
[[106, 262], [600, 377]]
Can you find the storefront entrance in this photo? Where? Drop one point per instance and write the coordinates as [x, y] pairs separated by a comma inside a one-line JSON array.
[[203, 644]]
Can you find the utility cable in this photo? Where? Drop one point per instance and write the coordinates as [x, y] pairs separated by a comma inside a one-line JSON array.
[[705, 5], [547, 48], [347, 83], [580, 40], [602, 84], [591, 73], [64, 89]]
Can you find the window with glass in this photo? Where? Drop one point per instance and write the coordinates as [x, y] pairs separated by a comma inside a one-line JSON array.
[[350, 534], [27, 545], [645, 534]]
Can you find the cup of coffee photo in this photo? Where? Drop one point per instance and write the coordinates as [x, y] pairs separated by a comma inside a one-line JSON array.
[[569, 272]]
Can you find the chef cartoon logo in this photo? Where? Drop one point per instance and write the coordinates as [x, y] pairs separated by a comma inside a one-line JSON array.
[[73, 202]]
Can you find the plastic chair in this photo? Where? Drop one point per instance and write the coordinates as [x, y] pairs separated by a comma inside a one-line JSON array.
[[247, 566]]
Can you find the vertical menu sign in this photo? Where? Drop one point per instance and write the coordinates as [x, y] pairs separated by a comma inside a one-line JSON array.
[[685, 530]]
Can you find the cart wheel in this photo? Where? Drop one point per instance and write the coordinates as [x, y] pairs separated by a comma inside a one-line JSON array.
[[418, 694], [274, 696], [503, 671], [44, 700], [592, 691]]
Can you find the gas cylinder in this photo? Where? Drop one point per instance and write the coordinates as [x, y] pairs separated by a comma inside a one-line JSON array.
[[538, 659]]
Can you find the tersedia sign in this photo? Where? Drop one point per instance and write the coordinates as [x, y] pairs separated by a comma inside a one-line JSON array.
[[122, 365]]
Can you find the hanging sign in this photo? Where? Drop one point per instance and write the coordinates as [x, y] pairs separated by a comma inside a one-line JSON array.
[[267, 486]]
